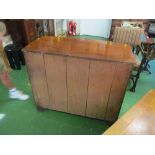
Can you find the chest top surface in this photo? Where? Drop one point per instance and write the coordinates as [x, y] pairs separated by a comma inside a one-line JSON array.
[[83, 48]]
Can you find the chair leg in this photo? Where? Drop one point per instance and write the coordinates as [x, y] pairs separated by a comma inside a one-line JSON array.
[[133, 49], [133, 89], [138, 74], [137, 50], [146, 66]]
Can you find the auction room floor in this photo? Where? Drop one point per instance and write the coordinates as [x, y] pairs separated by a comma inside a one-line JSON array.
[[22, 117]]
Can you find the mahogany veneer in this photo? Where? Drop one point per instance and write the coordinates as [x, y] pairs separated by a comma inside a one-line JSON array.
[[79, 76]]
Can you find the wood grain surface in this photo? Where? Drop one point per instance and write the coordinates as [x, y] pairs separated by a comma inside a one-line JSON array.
[[77, 85], [100, 82], [56, 80], [79, 76], [84, 48], [117, 92], [139, 120], [36, 69]]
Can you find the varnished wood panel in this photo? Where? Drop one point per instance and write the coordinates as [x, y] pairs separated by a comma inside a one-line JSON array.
[[56, 80], [77, 83], [29, 28], [139, 120], [117, 91], [36, 69], [84, 76], [100, 81], [83, 48]]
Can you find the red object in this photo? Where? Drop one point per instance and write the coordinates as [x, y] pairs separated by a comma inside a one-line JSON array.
[[72, 28]]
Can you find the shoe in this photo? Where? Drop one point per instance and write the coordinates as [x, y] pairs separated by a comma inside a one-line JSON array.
[[18, 95]]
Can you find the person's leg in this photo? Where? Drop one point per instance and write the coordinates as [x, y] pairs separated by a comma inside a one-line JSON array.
[[13, 92], [6, 80], [4, 77]]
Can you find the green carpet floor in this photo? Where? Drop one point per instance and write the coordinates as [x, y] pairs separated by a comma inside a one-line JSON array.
[[21, 117]]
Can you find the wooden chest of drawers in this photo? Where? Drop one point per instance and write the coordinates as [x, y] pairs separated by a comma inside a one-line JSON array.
[[78, 76]]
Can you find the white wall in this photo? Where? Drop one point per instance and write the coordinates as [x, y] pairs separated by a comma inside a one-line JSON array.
[[95, 27]]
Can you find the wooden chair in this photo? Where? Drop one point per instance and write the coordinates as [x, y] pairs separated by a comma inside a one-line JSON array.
[[131, 36], [149, 46], [128, 35], [150, 57], [147, 56], [151, 54], [138, 67]]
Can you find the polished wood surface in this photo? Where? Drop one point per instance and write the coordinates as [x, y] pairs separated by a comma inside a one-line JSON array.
[[139, 120], [37, 78], [84, 48], [100, 80], [118, 88], [29, 30], [79, 76], [55, 67], [77, 85]]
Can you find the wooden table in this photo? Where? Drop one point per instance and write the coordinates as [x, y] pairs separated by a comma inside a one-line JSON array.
[[79, 76], [139, 120]]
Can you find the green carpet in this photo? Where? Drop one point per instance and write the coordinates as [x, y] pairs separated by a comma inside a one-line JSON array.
[[21, 117], [88, 37]]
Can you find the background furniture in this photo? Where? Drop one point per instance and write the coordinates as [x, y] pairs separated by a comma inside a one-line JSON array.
[[149, 48], [12, 49], [128, 35], [78, 76], [139, 120], [118, 23], [138, 68], [15, 55], [151, 29], [151, 54], [22, 31], [14, 29], [132, 36], [45, 27], [29, 30]]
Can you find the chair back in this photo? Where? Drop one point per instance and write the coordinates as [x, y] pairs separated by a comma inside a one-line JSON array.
[[128, 35]]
